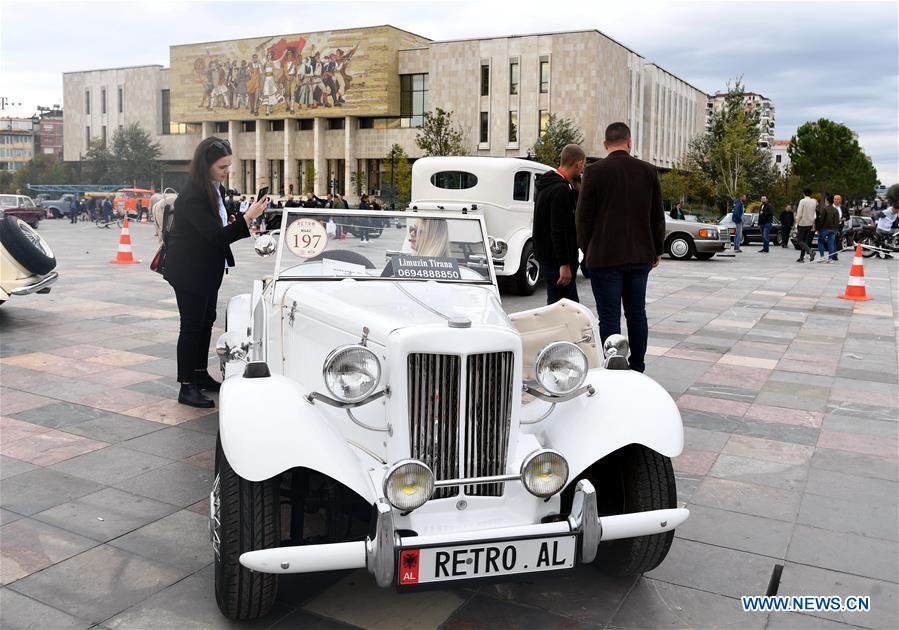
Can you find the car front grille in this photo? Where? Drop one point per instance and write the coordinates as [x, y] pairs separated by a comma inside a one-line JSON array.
[[437, 407]]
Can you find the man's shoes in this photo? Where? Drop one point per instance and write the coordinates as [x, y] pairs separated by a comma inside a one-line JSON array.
[[206, 382], [811, 257], [835, 258], [191, 395], [802, 260]]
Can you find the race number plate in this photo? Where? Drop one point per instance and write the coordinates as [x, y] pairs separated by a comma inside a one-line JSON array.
[[306, 238], [485, 559]]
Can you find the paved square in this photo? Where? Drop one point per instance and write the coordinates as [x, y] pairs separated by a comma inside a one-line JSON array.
[[789, 397]]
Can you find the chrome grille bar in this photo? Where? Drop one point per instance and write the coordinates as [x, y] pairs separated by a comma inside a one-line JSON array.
[[487, 419], [433, 381]]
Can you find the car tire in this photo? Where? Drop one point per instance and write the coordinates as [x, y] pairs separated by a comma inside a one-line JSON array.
[[26, 246], [245, 516], [704, 255], [680, 247], [524, 282], [634, 479], [744, 240]]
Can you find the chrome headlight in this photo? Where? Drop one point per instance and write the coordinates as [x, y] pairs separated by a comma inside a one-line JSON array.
[[351, 373], [232, 346], [544, 473], [408, 485], [498, 247], [561, 367]]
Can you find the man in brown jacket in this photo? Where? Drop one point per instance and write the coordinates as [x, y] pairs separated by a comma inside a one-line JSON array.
[[621, 230]]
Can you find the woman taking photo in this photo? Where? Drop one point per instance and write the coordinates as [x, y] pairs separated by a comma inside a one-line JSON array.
[[197, 254]]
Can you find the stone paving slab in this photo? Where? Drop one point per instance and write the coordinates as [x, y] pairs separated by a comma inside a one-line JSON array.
[[789, 397]]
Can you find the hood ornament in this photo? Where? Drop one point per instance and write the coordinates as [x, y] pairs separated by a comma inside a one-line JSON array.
[[364, 340]]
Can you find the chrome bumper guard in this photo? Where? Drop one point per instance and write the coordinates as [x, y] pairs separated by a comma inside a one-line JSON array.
[[42, 286], [379, 553]]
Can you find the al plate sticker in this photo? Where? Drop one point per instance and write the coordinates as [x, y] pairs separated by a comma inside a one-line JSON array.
[[306, 238]]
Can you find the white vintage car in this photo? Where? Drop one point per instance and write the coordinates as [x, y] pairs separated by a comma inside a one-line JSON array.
[[27, 262], [380, 410], [502, 191]]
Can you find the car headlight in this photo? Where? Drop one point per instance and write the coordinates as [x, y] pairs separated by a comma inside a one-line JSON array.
[[351, 373], [498, 247], [408, 485], [544, 473], [561, 367]]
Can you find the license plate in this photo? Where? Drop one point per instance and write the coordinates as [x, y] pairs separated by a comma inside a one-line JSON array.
[[486, 559]]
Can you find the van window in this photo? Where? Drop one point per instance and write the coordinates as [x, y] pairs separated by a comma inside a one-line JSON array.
[[454, 180], [522, 186]]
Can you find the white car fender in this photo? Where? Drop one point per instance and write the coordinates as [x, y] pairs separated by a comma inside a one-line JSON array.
[[267, 426], [237, 314], [627, 408], [512, 259]]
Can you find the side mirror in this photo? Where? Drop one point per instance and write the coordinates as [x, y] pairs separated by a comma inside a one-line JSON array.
[[232, 346], [266, 245]]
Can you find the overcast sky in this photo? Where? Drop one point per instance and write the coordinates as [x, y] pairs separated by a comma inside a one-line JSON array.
[[814, 59]]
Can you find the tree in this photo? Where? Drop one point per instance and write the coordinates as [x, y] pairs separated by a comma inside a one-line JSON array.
[[359, 180], [439, 135], [559, 132], [893, 193], [42, 169], [827, 158], [728, 157], [136, 157], [400, 176], [98, 164], [309, 177], [787, 190]]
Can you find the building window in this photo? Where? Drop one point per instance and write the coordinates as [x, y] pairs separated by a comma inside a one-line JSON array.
[[121, 99], [87, 135], [305, 124], [276, 125], [485, 80], [513, 77], [521, 186], [336, 123], [413, 98], [386, 122], [485, 127], [103, 135], [777, 158], [102, 100], [247, 126], [544, 77], [544, 121], [166, 110], [221, 127], [513, 127], [87, 101]]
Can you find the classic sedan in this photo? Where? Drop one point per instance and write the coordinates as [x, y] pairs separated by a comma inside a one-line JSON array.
[[685, 239], [26, 260], [23, 207], [752, 232]]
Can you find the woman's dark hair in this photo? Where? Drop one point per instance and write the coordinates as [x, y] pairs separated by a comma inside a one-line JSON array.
[[208, 152]]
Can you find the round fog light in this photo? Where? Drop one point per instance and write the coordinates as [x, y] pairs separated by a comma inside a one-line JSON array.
[[409, 484], [544, 473]]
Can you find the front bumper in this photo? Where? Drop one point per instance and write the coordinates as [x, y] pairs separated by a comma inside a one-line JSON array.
[[41, 286], [709, 246], [379, 552]]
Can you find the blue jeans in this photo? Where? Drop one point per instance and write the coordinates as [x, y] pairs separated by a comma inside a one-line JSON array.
[[831, 237], [766, 235], [623, 284], [738, 236], [555, 292]]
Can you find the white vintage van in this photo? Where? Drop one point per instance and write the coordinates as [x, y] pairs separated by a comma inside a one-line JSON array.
[[499, 189]]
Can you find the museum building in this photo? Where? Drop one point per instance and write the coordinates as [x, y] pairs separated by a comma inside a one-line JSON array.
[[320, 111]]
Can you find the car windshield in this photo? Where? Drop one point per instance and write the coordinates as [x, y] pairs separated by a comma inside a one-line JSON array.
[[8, 201], [378, 245]]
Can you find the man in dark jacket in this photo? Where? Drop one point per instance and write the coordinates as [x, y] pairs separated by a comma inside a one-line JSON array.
[[786, 225], [555, 237], [621, 229], [766, 222], [828, 228]]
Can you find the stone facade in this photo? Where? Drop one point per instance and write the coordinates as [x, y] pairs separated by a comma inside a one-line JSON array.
[[584, 76]]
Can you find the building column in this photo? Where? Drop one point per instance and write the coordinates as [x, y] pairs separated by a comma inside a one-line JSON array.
[[235, 181], [349, 158], [207, 129], [261, 171], [318, 157], [287, 178]]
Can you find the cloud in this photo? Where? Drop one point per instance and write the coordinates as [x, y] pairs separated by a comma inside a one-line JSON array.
[[815, 59]]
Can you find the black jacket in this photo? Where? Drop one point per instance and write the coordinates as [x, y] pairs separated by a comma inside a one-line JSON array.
[[198, 244], [555, 237], [787, 218], [766, 214]]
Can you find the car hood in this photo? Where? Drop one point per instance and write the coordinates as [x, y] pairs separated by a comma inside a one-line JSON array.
[[384, 307]]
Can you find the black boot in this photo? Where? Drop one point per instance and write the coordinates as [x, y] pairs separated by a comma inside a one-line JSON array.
[[191, 395], [206, 382]]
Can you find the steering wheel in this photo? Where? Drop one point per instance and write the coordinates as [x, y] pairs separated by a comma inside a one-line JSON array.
[[344, 255]]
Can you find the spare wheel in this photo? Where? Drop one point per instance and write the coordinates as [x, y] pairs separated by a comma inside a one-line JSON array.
[[27, 246]]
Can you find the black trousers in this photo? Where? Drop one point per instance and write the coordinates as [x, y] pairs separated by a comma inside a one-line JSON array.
[[197, 316], [785, 235], [804, 234]]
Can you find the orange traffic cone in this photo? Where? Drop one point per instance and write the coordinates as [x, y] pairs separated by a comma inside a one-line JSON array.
[[143, 217], [123, 256], [855, 290]]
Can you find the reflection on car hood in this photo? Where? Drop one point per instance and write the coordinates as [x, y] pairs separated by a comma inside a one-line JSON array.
[[390, 305]]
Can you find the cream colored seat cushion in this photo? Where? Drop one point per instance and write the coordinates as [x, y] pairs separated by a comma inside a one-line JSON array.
[[563, 321]]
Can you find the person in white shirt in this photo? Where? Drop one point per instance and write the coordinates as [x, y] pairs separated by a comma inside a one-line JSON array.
[[805, 225], [244, 204], [885, 223]]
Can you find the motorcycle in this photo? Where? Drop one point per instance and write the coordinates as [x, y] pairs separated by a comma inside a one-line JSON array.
[[885, 244]]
